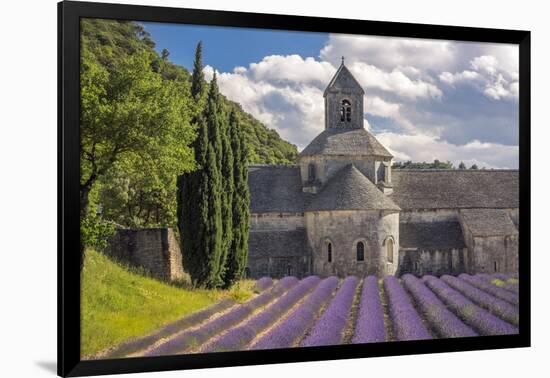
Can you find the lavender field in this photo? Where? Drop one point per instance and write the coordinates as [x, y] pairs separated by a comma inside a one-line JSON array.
[[313, 312]]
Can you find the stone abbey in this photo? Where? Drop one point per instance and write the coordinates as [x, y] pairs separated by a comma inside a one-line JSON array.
[[342, 211]]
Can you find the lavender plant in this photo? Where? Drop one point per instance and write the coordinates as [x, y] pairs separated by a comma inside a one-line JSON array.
[[443, 321], [494, 305], [194, 338], [491, 289], [263, 284], [370, 327], [239, 337], [482, 321], [505, 281], [328, 330], [407, 324], [292, 329]]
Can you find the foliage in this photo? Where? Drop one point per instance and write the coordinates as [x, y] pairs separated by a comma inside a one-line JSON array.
[[238, 250], [131, 118], [95, 231], [423, 165]]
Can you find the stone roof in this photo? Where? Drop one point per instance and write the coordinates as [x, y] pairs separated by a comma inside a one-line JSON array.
[[431, 235], [274, 243], [349, 189], [488, 222], [341, 141], [276, 188], [449, 189], [343, 80]]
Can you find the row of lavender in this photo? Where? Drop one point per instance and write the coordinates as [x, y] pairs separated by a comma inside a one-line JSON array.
[[314, 311]]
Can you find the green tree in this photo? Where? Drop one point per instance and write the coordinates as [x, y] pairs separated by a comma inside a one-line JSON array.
[[201, 222], [227, 168], [474, 166], [238, 252], [197, 81], [462, 165]]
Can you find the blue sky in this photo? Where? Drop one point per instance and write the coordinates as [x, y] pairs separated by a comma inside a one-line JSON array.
[[424, 99], [226, 47]]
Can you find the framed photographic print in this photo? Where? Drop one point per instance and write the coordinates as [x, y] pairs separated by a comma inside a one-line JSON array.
[[240, 188]]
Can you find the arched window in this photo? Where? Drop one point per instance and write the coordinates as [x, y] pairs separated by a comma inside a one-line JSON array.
[[345, 111], [329, 252], [360, 251], [389, 249], [311, 172]]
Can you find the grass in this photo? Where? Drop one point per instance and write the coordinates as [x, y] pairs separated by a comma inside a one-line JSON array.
[[118, 302]]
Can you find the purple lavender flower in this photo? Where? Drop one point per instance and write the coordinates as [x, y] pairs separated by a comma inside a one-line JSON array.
[[482, 321], [445, 323], [370, 320], [505, 281], [491, 289], [329, 328], [192, 339], [494, 305], [263, 284], [292, 329], [239, 337], [407, 324]]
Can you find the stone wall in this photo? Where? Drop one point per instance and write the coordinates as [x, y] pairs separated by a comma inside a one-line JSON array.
[[154, 249], [343, 230], [278, 266], [435, 262], [276, 221]]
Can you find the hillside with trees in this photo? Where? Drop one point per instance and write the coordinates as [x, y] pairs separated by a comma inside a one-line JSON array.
[[138, 125]]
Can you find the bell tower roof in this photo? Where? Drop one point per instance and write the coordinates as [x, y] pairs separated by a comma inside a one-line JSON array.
[[343, 81]]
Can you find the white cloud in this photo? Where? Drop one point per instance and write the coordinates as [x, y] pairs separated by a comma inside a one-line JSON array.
[[489, 76], [428, 148], [291, 69], [395, 82], [389, 52]]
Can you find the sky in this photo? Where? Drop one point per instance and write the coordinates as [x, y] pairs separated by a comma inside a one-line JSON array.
[[424, 99]]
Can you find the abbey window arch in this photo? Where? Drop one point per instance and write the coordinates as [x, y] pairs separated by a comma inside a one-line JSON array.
[[345, 111], [389, 243], [360, 251], [311, 172]]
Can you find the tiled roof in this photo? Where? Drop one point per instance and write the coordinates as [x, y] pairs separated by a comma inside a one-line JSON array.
[[342, 141], [450, 189], [276, 188], [349, 189], [488, 222]]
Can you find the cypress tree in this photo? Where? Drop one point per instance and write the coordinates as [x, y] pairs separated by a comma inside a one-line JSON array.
[[238, 252], [200, 200], [227, 167], [213, 240], [193, 210], [197, 81]]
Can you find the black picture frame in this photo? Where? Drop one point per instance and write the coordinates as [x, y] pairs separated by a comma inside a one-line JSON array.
[[69, 14]]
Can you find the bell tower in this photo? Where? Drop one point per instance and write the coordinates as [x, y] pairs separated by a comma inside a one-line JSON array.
[[343, 101]]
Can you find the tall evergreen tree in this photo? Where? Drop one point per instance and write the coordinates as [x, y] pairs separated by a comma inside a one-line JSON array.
[[238, 252], [227, 167], [197, 82], [214, 118], [200, 200], [193, 211]]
